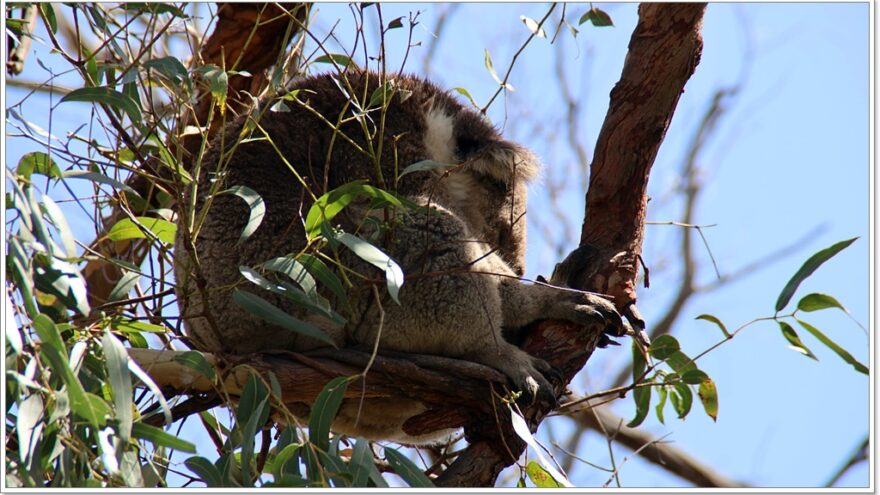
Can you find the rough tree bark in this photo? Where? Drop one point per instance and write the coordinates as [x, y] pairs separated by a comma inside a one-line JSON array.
[[664, 51], [247, 37]]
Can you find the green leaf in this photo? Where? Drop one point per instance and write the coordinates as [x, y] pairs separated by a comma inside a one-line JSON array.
[[792, 337], [29, 427], [48, 12], [38, 162], [661, 403], [716, 321], [540, 477], [664, 346], [534, 28], [218, 84], [807, 269], [328, 279], [395, 23], [840, 351], [407, 470], [120, 383], [361, 463], [171, 68], [487, 61], [312, 302], [324, 412], [425, 165], [251, 414], [54, 213], [816, 302], [682, 398], [681, 363], [63, 279], [694, 376], [330, 204], [641, 395], [371, 254], [129, 229], [49, 334], [100, 179], [205, 470], [128, 281], [709, 398], [335, 58], [258, 306], [108, 96], [293, 269], [126, 325], [467, 95], [160, 437], [196, 360], [597, 17], [286, 462], [256, 206], [381, 96]]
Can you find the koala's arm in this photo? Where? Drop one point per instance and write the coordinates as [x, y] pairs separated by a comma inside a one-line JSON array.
[[526, 303]]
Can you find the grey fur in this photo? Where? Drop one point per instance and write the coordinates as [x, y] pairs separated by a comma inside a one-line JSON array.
[[463, 257]]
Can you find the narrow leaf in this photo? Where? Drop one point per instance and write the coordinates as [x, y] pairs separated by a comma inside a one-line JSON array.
[[425, 165], [371, 254], [258, 306], [792, 337], [840, 351], [106, 96], [160, 437], [335, 58], [120, 383], [206, 470], [807, 269], [522, 430], [682, 398], [716, 321], [407, 470], [324, 412], [256, 206], [196, 360]]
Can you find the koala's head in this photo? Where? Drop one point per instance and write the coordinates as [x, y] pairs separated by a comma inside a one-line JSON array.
[[489, 189]]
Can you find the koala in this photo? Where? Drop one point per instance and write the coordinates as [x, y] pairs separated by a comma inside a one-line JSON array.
[[462, 250]]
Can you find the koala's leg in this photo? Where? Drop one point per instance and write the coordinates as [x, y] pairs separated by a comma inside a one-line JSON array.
[[451, 303]]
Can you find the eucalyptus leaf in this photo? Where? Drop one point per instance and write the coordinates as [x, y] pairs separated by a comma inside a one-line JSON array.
[[807, 269], [394, 278], [407, 470], [258, 306], [324, 412], [840, 351], [256, 206], [108, 96]]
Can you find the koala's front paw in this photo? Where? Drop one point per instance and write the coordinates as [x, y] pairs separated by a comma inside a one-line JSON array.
[[530, 375], [593, 311]]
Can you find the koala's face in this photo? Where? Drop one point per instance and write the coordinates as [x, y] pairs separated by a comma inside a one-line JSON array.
[[489, 190]]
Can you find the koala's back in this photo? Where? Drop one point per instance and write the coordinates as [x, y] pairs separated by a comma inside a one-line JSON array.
[[302, 139]]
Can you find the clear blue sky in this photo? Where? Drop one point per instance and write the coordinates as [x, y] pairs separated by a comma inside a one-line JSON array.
[[792, 154]]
